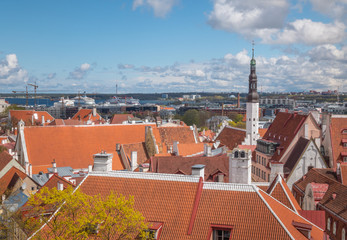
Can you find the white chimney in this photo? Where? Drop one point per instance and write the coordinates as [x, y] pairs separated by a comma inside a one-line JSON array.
[[133, 160], [60, 186], [90, 168], [276, 168], [103, 161], [240, 163], [42, 119], [30, 170], [54, 165], [94, 111], [199, 170], [175, 148], [306, 131], [207, 150]]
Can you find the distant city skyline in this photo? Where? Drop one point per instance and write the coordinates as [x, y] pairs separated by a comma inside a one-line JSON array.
[[148, 46]]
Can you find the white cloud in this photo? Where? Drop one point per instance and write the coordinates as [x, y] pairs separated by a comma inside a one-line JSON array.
[[336, 9], [80, 72], [246, 17], [321, 68], [160, 7], [308, 32], [10, 71]]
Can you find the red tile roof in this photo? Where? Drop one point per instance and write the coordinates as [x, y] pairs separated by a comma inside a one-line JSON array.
[[140, 148], [65, 122], [188, 211], [231, 137], [337, 125], [186, 149], [326, 176], [5, 158], [75, 146], [287, 218], [183, 165], [283, 130], [316, 217], [53, 182], [27, 116], [343, 168], [262, 132], [6, 179], [86, 115], [280, 191], [120, 118], [165, 136]]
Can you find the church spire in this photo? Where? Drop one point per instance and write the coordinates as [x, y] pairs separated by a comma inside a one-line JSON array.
[[252, 89]]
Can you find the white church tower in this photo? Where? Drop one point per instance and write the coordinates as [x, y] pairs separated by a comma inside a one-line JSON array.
[[252, 107]]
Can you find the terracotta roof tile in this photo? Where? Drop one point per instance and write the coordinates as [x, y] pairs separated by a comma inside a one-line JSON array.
[[170, 199], [343, 167], [287, 218], [58, 122], [53, 182], [6, 179], [262, 132], [175, 164], [165, 136], [85, 115], [336, 129], [279, 190], [5, 158], [27, 116], [231, 137], [120, 118], [325, 176], [75, 146], [186, 149], [140, 148], [283, 130], [316, 217]]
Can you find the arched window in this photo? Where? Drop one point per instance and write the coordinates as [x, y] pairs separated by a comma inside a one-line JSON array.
[[334, 228], [242, 154], [236, 154], [343, 234], [328, 224]]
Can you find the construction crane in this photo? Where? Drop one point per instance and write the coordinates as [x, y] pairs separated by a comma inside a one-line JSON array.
[[26, 94], [35, 87]]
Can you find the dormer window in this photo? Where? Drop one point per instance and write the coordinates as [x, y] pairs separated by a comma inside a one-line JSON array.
[[154, 230], [220, 232], [344, 131]]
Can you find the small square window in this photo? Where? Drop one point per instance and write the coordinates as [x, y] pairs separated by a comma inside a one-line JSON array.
[[221, 234]]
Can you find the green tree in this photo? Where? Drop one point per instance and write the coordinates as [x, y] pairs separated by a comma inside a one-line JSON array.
[[191, 117], [80, 216]]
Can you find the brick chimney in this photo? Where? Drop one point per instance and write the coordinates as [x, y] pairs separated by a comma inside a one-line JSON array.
[[103, 161], [198, 170], [133, 161]]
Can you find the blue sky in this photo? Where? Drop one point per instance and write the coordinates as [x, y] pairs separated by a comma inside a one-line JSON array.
[[172, 45]]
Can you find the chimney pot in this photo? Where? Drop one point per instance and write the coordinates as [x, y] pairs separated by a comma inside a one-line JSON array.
[[333, 195]]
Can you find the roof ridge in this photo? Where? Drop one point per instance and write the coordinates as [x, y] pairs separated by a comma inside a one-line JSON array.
[[240, 187], [314, 169], [273, 212]]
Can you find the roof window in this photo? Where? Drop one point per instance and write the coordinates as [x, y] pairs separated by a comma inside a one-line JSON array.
[[220, 232]]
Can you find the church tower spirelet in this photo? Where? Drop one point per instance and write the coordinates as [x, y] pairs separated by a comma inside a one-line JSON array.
[[252, 106]]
